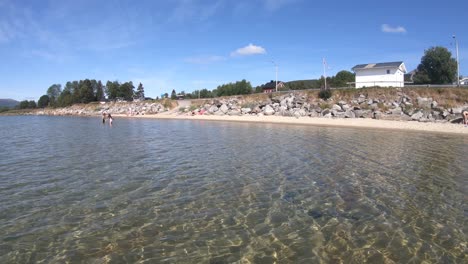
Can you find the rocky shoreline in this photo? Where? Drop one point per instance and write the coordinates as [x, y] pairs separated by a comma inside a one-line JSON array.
[[402, 108], [399, 106]]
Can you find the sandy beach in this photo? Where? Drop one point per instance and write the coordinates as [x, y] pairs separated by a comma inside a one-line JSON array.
[[315, 121]]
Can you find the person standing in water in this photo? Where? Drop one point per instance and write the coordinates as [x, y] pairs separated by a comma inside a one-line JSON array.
[[103, 117], [465, 117], [110, 119]]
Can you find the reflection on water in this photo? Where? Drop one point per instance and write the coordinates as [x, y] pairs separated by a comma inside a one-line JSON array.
[[161, 191]]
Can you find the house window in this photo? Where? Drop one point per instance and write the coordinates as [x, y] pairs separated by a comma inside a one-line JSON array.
[[388, 71]]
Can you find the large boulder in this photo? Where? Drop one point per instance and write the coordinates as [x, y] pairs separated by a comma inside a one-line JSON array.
[[326, 112], [268, 110], [224, 108], [246, 110], [234, 112], [349, 113], [417, 116], [396, 111], [337, 108], [213, 109], [424, 102]]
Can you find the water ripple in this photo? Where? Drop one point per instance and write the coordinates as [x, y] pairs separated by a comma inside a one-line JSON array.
[[158, 191]]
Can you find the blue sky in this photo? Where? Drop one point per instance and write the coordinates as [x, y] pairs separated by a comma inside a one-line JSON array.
[[190, 44]]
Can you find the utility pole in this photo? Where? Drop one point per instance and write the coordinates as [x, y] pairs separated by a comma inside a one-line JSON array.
[[458, 62], [276, 80], [324, 73]]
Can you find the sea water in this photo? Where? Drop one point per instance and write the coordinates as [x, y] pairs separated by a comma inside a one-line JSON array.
[[169, 191]]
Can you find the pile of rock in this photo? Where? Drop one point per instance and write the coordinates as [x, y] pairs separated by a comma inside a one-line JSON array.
[[299, 105], [127, 108]]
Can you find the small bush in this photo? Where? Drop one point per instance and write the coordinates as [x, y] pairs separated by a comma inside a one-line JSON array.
[[324, 106], [325, 94]]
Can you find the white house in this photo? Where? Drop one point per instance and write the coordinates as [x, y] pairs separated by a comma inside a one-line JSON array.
[[386, 74], [464, 81]]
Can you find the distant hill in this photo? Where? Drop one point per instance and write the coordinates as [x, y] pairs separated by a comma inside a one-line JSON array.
[[10, 103]]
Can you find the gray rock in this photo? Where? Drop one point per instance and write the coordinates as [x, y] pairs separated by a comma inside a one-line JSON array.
[[358, 113], [224, 108], [246, 110], [396, 111], [256, 110], [424, 102], [377, 115], [302, 112], [457, 110], [339, 114], [213, 109], [337, 108], [445, 113], [350, 114], [366, 114], [284, 103], [434, 104], [234, 112], [314, 114], [417, 116], [345, 107], [268, 110]]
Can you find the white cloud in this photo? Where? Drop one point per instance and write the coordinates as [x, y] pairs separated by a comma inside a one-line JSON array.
[[204, 59], [248, 50], [389, 29]]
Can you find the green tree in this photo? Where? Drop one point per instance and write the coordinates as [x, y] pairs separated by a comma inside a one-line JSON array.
[[43, 101], [342, 78], [173, 94], [99, 91], [437, 67], [321, 82], [86, 91], [23, 104], [112, 89], [32, 104], [126, 91], [65, 98], [140, 92], [54, 92]]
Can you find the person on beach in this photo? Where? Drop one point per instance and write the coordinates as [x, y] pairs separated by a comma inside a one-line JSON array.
[[110, 119], [465, 117]]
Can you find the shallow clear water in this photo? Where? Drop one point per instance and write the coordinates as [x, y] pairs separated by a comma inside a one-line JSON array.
[[161, 191]]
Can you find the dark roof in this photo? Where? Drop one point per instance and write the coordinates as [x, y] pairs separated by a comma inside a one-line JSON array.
[[271, 85], [377, 65]]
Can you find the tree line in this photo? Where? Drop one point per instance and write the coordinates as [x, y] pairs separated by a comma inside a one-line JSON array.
[[86, 91], [236, 88]]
